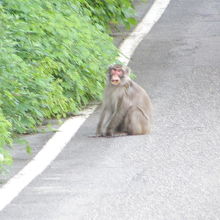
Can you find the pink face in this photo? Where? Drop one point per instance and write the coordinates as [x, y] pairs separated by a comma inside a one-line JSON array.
[[116, 74]]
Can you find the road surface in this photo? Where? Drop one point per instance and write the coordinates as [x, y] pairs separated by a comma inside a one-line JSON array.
[[171, 174]]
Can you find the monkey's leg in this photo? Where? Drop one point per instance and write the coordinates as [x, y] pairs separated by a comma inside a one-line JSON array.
[[114, 123], [136, 122]]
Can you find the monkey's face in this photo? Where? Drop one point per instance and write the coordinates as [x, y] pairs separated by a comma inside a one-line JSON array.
[[116, 74]]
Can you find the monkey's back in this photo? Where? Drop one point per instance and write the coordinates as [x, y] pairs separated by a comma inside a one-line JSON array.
[[139, 97]]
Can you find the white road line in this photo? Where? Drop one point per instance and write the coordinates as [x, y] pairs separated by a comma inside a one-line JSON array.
[[129, 45], [43, 159], [60, 139]]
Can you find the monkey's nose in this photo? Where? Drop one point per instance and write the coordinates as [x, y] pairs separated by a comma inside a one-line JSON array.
[[115, 81]]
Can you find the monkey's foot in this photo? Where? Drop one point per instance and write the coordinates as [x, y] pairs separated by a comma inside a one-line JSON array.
[[95, 136], [120, 134]]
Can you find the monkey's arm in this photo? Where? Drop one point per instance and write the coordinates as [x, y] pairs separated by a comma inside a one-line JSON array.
[[103, 121], [115, 119]]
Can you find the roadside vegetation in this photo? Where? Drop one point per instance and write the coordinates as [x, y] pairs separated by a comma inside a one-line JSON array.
[[53, 57]]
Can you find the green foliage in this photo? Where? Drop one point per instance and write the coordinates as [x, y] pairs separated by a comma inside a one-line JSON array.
[[114, 12], [5, 126], [53, 57], [52, 61], [25, 88]]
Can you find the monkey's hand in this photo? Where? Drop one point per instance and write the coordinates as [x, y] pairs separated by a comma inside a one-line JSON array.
[[109, 132], [99, 133]]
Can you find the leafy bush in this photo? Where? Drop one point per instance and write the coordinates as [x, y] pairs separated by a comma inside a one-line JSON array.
[[53, 57], [53, 60], [5, 158], [116, 12], [27, 91]]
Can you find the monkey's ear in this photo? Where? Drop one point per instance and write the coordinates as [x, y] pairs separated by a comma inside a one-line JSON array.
[[127, 70], [109, 69]]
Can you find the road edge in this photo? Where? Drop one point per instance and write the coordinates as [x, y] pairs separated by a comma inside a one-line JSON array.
[[60, 139]]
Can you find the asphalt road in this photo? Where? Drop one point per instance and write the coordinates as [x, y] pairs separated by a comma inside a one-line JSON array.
[[171, 174]]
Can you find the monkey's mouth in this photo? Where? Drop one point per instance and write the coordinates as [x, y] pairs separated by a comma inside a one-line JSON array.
[[115, 82]]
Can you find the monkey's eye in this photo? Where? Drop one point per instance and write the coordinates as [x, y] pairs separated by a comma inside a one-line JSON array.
[[118, 72]]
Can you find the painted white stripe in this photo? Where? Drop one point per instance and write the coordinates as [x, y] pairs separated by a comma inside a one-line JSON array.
[[60, 139], [129, 45], [45, 156]]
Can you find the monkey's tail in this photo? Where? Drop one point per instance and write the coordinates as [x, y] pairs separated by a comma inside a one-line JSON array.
[[144, 114]]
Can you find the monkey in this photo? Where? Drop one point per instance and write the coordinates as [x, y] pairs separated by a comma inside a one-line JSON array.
[[126, 108]]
